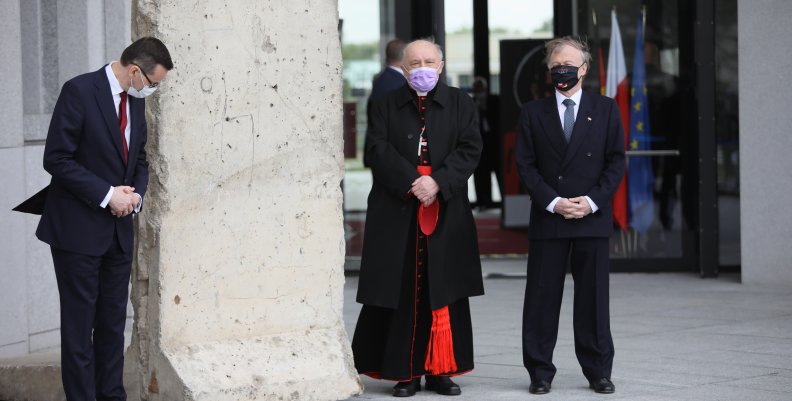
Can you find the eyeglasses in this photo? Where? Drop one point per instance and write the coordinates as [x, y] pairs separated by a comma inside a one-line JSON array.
[[150, 83]]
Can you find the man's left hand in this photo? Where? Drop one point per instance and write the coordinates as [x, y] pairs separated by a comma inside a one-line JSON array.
[[582, 207], [425, 189]]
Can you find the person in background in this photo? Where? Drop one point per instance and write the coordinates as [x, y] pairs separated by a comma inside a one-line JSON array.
[[389, 79], [490, 154]]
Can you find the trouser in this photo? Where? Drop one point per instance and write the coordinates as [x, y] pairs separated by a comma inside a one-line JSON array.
[[94, 291], [547, 266]]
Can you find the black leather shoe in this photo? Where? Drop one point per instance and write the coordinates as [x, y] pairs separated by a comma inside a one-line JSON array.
[[539, 387], [442, 385], [602, 386], [407, 389]]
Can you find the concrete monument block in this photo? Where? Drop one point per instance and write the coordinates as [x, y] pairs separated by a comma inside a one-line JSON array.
[[238, 281]]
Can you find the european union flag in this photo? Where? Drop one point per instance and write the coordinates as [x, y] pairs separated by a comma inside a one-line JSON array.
[[640, 177]]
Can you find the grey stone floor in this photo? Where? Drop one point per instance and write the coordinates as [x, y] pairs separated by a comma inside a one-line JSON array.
[[677, 337]]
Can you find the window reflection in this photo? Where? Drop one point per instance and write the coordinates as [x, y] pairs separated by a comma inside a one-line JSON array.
[[669, 143], [360, 48], [515, 19], [459, 44]]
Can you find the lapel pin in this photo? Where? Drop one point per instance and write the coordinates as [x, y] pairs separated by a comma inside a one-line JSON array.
[[588, 118]]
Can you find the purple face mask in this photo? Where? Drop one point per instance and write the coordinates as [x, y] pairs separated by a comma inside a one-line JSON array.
[[423, 79]]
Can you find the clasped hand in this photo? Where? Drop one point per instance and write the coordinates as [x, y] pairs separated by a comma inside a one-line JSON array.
[[425, 189], [123, 201], [573, 208]]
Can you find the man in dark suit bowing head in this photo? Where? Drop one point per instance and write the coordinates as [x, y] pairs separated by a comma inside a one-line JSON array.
[[95, 152], [570, 156]]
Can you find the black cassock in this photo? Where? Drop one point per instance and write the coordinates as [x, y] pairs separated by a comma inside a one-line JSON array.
[[392, 343]]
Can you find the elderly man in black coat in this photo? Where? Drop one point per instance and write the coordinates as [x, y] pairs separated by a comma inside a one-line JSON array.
[[420, 258]]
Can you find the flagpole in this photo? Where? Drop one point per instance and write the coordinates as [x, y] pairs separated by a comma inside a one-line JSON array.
[[643, 21], [598, 43], [643, 41]]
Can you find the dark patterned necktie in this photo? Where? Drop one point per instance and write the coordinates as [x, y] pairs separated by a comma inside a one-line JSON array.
[[569, 118]]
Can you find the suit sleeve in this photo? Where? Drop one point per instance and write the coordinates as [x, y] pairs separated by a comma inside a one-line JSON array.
[[388, 166], [63, 139], [457, 167], [613, 172], [525, 155]]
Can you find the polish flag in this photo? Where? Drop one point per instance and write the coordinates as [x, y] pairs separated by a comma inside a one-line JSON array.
[[618, 88]]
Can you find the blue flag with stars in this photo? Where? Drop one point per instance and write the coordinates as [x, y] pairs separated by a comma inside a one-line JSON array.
[[640, 177]]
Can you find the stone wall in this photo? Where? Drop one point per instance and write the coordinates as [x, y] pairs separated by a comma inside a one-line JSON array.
[[765, 142], [43, 43], [238, 280]]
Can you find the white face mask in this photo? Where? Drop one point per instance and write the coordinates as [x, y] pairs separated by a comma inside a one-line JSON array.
[[147, 90]]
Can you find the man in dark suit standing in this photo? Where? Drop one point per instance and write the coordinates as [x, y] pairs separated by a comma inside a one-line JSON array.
[[95, 152], [570, 156], [391, 77]]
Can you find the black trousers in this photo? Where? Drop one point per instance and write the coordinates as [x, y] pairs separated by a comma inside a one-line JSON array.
[[94, 291], [547, 262]]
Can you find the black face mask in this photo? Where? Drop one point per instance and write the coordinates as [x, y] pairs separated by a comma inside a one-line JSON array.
[[564, 77]]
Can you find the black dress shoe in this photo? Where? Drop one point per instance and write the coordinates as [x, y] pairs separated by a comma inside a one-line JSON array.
[[539, 387], [602, 386], [407, 389], [442, 385]]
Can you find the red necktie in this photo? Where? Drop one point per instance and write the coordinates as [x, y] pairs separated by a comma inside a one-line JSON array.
[[122, 123]]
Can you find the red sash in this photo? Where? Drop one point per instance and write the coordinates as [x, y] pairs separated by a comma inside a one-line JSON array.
[[440, 350]]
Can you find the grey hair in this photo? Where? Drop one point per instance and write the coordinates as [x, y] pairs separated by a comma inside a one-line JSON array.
[[430, 40], [553, 45]]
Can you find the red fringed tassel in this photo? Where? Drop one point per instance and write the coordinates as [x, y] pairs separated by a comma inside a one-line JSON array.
[[440, 352]]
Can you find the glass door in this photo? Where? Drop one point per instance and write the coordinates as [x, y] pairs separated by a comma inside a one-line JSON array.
[[656, 212]]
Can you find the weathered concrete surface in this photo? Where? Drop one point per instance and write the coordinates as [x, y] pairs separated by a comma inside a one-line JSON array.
[[238, 285], [33, 377]]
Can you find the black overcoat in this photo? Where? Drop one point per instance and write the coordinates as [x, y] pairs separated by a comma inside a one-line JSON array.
[[592, 164], [392, 153]]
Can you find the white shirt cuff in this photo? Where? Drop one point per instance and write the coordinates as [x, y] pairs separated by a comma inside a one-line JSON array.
[[139, 204], [551, 207], [593, 205], [107, 198]]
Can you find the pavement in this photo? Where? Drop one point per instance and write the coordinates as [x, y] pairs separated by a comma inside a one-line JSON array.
[[677, 337]]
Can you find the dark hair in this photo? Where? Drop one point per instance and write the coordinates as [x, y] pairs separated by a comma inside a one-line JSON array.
[[393, 50], [147, 52]]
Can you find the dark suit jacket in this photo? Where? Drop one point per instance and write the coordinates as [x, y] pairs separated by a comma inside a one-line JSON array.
[[388, 80], [591, 164], [84, 155], [392, 144]]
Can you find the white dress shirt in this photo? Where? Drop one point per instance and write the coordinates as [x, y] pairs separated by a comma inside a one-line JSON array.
[[116, 90]]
